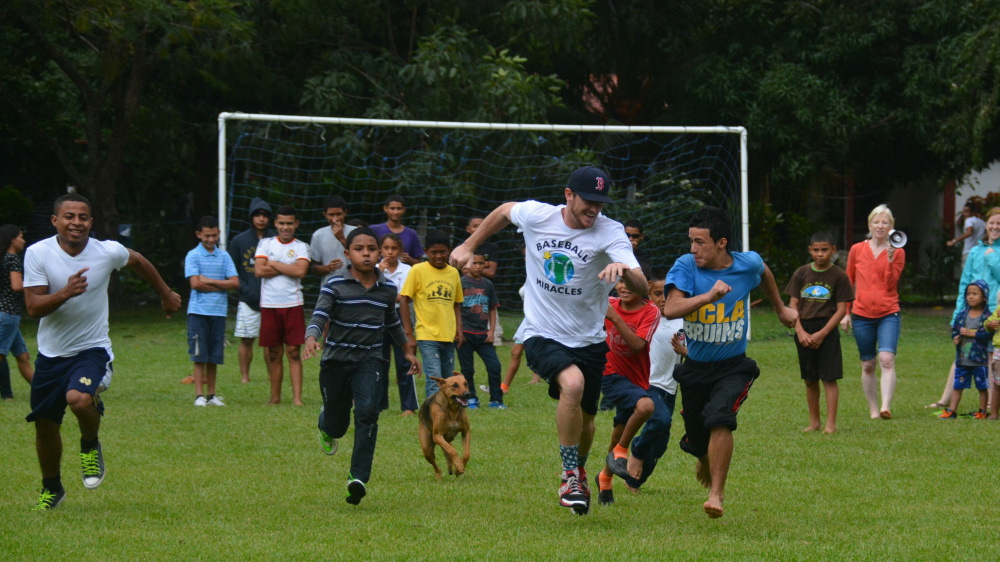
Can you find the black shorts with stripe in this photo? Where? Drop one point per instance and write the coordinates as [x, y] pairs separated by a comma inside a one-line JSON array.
[[711, 396]]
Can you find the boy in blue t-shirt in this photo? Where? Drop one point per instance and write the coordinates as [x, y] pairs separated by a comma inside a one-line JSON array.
[[710, 289], [211, 272]]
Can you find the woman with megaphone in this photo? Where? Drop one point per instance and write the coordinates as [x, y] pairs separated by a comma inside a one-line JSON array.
[[983, 262], [874, 266]]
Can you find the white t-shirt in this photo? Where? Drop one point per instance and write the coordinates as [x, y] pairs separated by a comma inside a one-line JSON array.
[[564, 300], [398, 277], [662, 357], [81, 323], [281, 291], [324, 248], [978, 229]]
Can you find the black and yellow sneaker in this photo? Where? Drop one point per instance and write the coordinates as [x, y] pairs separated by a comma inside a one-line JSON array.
[[93, 467], [49, 499]]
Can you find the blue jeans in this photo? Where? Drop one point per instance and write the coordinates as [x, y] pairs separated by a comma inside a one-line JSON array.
[[360, 383], [652, 442], [407, 388], [439, 361], [11, 343], [868, 332], [476, 343]]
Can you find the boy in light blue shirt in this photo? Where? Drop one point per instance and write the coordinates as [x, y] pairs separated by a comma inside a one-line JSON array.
[[211, 272]]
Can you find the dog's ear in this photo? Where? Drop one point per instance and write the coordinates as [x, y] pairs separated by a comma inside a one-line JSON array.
[[438, 380], [455, 373]]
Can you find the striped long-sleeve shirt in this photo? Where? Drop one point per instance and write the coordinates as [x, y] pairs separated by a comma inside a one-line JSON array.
[[358, 318]]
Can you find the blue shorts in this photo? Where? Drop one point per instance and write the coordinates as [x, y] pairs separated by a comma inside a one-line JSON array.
[[868, 332], [624, 394], [964, 375], [11, 341], [88, 372], [207, 338]]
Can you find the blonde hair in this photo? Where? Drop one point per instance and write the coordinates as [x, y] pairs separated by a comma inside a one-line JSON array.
[[882, 209], [986, 235]]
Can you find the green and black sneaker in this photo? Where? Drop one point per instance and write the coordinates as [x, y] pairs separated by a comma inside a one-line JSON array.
[[327, 443], [93, 467], [49, 500], [355, 491]]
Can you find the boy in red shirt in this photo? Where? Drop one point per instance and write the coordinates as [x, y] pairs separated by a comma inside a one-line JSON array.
[[630, 322]]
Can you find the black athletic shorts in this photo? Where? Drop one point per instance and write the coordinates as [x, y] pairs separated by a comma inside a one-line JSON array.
[[825, 363], [548, 358], [711, 396]]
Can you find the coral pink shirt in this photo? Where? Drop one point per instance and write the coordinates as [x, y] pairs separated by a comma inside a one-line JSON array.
[[874, 280]]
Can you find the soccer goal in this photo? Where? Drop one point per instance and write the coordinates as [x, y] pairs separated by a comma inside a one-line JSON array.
[[451, 171]]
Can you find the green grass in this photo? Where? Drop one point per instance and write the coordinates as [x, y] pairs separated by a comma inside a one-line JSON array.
[[249, 481]]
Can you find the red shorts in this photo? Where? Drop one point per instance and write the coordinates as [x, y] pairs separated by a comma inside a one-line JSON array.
[[282, 326]]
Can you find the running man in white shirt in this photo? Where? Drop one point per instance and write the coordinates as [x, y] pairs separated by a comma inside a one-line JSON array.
[[573, 255], [66, 286]]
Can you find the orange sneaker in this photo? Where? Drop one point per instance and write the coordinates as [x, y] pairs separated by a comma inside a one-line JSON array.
[[947, 415], [981, 415]]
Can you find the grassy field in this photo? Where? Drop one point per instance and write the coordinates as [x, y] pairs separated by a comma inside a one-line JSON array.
[[248, 481]]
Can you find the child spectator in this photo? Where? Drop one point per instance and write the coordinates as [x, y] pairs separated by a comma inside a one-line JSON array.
[[396, 272], [666, 350], [395, 208], [820, 292], [491, 253], [971, 343], [281, 263], [358, 308], [326, 247], [633, 228], [11, 307], [436, 291], [479, 315], [993, 325], [242, 250], [211, 273], [630, 322]]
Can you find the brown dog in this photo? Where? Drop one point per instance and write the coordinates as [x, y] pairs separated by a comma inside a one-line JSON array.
[[442, 417]]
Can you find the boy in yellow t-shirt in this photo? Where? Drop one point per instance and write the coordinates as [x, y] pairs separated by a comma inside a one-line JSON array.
[[436, 291]]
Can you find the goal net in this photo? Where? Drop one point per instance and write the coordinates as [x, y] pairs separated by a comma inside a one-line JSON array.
[[449, 172]]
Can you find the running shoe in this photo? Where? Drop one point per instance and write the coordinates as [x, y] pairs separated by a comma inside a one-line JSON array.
[[473, 403], [93, 467], [948, 414], [570, 493], [981, 415], [49, 500], [200, 401], [497, 405], [215, 401], [355, 491], [327, 443]]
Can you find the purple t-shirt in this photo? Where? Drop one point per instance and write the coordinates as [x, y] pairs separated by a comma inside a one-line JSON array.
[[411, 242]]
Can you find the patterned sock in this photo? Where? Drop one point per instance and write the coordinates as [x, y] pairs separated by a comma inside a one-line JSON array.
[[570, 458]]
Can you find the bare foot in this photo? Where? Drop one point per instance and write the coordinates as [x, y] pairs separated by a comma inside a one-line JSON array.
[[407, 413], [535, 379], [702, 473], [298, 403], [634, 467], [991, 418], [274, 401], [244, 380], [631, 489], [713, 508], [830, 429], [885, 414], [874, 416], [812, 427]]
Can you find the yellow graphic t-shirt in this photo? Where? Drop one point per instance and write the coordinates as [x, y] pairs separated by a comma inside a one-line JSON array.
[[434, 293]]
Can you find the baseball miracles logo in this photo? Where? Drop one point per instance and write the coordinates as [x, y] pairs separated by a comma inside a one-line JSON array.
[[558, 265]]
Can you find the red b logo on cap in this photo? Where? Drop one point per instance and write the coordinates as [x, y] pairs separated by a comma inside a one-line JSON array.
[[600, 183]]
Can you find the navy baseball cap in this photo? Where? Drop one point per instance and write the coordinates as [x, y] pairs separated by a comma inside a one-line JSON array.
[[591, 184]]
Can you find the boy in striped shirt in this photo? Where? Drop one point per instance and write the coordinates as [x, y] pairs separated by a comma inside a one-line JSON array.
[[211, 272], [359, 306]]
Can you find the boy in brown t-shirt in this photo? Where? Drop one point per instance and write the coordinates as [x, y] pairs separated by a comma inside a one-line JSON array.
[[820, 292]]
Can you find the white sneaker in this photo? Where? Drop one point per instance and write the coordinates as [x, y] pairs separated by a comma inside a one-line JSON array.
[[484, 388], [216, 401], [200, 401]]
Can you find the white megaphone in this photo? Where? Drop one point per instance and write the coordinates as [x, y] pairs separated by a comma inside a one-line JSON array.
[[897, 238]]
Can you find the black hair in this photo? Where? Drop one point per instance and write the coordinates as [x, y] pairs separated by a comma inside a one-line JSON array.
[[286, 210], [395, 197], [391, 236], [356, 222], [474, 217], [479, 251], [437, 237], [360, 231], [76, 197], [658, 274], [821, 237], [334, 202], [8, 233], [634, 223], [716, 221], [208, 221]]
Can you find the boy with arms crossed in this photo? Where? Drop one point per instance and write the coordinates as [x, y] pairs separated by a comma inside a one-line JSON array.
[[572, 251], [281, 262], [66, 285], [710, 289], [820, 292], [359, 307], [211, 273]]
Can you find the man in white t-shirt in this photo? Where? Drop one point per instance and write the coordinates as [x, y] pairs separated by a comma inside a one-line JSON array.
[[326, 247], [973, 230], [573, 255], [66, 286], [281, 262]]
